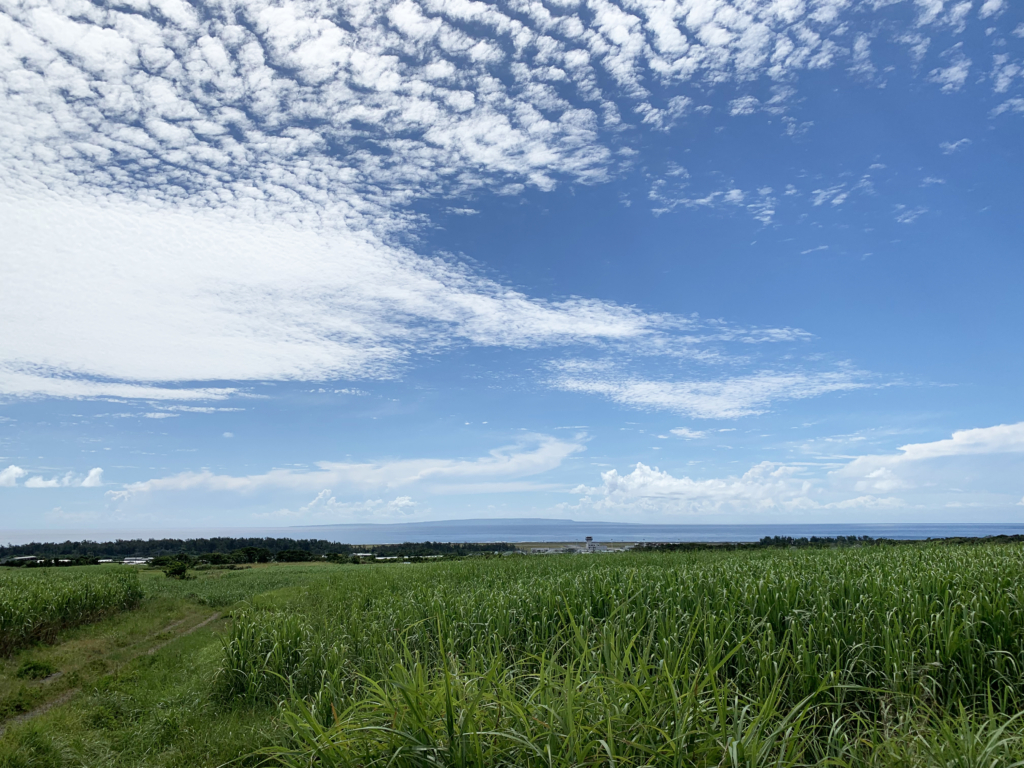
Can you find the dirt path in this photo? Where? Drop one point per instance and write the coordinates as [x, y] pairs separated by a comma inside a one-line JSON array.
[[67, 695], [64, 698], [167, 642]]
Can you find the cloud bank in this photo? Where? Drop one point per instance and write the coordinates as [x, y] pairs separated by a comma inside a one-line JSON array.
[[771, 486]]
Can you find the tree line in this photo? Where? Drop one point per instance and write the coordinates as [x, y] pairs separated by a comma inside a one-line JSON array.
[[221, 550]]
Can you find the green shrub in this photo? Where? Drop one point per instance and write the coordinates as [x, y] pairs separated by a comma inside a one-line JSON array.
[[176, 569]]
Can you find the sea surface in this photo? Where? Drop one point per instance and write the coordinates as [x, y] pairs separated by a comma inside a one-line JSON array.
[[533, 529]]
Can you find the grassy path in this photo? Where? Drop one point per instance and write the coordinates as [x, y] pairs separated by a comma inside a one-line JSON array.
[[69, 694], [134, 690]]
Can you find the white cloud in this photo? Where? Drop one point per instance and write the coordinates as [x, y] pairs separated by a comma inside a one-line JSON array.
[[1010, 105], [689, 434], [1005, 438], [862, 56], [198, 409], [885, 473], [94, 479], [764, 487], [949, 147], [769, 486], [868, 502], [905, 215], [277, 105], [745, 105], [952, 77], [726, 398], [23, 380], [9, 477], [325, 507], [531, 455], [235, 177], [56, 481], [223, 299], [990, 8], [1004, 72]]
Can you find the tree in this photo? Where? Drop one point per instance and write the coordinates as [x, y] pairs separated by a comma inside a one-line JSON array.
[[294, 556], [252, 555], [177, 569]]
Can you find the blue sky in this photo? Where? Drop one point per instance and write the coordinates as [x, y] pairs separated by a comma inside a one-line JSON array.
[[286, 263]]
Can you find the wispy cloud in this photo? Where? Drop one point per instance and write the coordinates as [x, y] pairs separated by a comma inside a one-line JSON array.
[[326, 508], [689, 434], [949, 147], [245, 301], [1014, 105], [725, 398], [531, 455], [905, 215]]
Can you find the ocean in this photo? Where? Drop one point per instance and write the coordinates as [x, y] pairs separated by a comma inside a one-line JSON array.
[[535, 529]]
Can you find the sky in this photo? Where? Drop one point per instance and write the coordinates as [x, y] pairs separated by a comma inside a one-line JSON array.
[[301, 262]]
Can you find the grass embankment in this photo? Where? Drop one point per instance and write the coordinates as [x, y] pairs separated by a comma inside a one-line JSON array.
[[36, 605], [908, 656]]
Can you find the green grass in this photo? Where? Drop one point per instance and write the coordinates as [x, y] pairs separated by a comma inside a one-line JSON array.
[[221, 588], [154, 712], [136, 709], [37, 604], [882, 656]]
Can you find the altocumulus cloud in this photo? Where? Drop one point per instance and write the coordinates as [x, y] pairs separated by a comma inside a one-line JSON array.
[[262, 155]]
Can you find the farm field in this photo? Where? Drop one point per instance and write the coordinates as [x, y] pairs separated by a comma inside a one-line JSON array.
[[36, 605], [875, 656]]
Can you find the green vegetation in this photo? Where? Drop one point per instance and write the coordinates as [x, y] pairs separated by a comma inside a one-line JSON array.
[[901, 656], [856, 656], [35, 606], [143, 678], [223, 588], [223, 549]]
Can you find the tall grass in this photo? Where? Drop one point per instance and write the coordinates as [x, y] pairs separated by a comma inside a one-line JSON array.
[[36, 604], [219, 588], [902, 656]]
